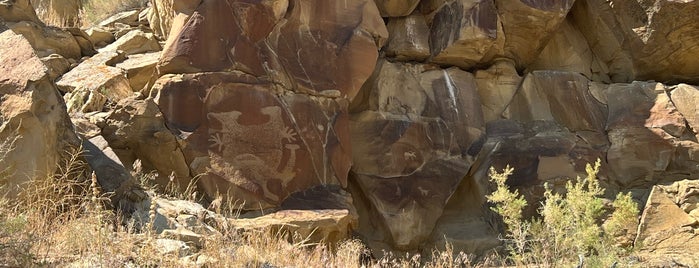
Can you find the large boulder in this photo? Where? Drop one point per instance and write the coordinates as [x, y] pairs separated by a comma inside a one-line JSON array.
[[414, 134], [408, 38], [668, 228], [134, 42], [302, 62], [35, 130], [18, 10], [648, 135], [139, 68], [94, 82], [135, 130], [330, 226], [257, 151], [48, 40]]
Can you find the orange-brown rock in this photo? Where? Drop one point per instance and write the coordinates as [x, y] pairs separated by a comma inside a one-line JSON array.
[[667, 232], [408, 38], [134, 42], [470, 33], [135, 129], [686, 99], [18, 10], [568, 50], [641, 113], [642, 40], [497, 86], [139, 68], [165, 15], [93, 82], [325, 225], [463, 33], [544, 94], [59, 13], [396, 8], [282, 43], [258, 151], [48, 40], [527, 25], [414, 133], [34, 127]]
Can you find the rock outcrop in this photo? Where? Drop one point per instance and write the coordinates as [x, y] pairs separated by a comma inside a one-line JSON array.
[[35, 130], [302, 63], [416, 133], [377, 117], [667, 234]]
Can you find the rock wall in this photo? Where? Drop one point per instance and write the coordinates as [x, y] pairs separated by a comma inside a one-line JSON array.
[[407, 104], [392, 110]]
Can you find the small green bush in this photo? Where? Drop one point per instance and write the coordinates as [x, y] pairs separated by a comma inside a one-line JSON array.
[[571, 229]]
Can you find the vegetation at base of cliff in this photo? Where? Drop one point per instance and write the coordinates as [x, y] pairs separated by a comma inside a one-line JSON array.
[[63, 221], [572, 230]]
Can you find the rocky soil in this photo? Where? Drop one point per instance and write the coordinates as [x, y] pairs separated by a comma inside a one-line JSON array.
[[374, 119]]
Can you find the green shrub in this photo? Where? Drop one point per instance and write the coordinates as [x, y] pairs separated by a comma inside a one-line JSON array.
[[571, 229]]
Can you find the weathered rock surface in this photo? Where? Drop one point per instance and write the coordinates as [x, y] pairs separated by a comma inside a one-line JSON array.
[[129, 17], [165, 15], [59, 13], [134, 42], [669, 224], [325, 225], [281, 43], [685, 98], [469, 33], [100, 36], [497, 86], [259, 152], [18, 10], [112, 176], [34, 127], [642, 113], [135, 129], [297, 108], [93, 82], [412, 142], [642, 39], [303, 62], [139, 68], [47, 40], [408, 38], [396, 8], [56, 64]]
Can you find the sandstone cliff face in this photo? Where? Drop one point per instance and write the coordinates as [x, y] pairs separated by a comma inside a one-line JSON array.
[[402, 105], [419, 109]]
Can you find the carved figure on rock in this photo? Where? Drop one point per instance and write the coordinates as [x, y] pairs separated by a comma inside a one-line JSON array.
[[254, 151]]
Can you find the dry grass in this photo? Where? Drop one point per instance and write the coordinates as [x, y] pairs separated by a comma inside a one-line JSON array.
[[60, 221], [95, 11], [81, 13]]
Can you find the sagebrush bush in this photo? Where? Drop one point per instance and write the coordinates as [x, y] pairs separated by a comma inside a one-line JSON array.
[[571, 229]]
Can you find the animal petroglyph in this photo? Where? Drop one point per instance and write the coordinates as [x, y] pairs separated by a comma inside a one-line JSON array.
[[255, 151]]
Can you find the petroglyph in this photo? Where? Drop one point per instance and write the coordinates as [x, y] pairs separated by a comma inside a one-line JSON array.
[[254, 151]]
